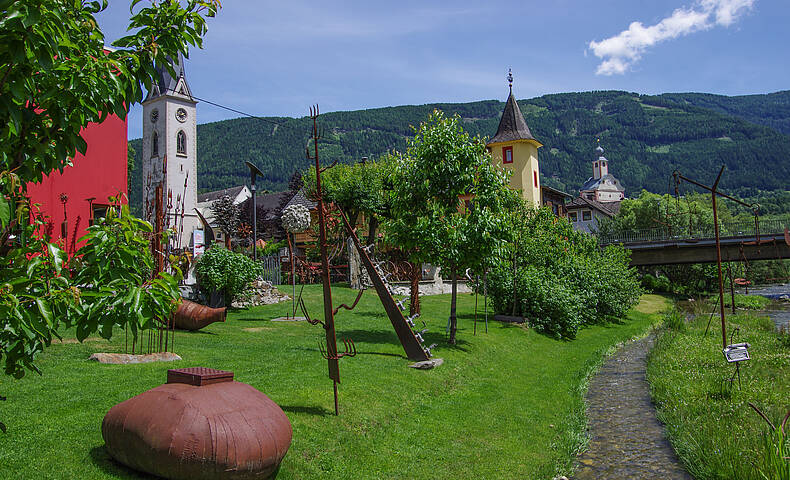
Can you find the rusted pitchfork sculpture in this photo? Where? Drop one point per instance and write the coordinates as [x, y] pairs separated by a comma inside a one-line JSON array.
[[329, 352]]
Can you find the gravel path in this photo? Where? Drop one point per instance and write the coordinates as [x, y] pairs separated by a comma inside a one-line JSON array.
[[627, 441]]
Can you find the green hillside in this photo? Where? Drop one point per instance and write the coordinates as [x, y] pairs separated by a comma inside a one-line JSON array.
[[645, 138], [771, 110]]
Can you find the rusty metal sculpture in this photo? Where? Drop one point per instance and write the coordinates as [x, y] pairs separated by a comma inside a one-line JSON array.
[[411, 342], [329, 352], [199, 425], [714, 193], [194, 316]]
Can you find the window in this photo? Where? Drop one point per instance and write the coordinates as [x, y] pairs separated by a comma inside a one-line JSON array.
[[98, 211], [181, 143], [535, 177], [155, 144], [507, 154], [573, 216], [586, 215]]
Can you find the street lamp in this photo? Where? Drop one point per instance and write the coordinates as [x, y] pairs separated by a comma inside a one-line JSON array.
[[254, 171]]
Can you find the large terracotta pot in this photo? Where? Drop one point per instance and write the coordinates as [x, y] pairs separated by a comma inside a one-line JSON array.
[[213, 428], [194, 316]]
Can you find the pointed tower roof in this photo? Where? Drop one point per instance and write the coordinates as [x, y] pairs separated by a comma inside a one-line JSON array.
[[512, 125], [166, 84]]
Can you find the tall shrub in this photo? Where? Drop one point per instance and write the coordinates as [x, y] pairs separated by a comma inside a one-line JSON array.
[[220, 270], [558, 278]]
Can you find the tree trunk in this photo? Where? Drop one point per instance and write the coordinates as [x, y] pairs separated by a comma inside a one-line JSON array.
[[373, 225], [514, 285], [453, 323], [414, 299]]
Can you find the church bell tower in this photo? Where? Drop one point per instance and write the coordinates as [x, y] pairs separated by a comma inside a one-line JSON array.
[[170, 150]]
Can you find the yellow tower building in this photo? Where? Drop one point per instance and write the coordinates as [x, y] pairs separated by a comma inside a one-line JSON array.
[[514, 148]]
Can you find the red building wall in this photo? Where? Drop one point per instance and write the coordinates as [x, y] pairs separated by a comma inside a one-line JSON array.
[[100, 173]]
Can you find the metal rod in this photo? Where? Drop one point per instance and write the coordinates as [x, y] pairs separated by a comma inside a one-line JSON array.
[[714, 193], [293, 271], [732, 288], [334, 384], [254, 222], [718, 258], [329, 320]]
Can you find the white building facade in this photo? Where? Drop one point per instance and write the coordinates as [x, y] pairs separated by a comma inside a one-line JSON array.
[[169, 154]]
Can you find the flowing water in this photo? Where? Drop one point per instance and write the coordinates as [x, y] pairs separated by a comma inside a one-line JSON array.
[[778, 309]]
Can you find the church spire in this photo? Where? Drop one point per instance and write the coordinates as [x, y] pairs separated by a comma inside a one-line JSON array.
[[166, 84], [512, 125]]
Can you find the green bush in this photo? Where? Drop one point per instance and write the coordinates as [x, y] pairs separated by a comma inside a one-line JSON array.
[[220, 270], [114, 268], [562, 279]]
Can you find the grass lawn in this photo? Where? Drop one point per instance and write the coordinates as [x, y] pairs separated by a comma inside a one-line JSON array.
[[714, 431], [506, 404], [749, 302]]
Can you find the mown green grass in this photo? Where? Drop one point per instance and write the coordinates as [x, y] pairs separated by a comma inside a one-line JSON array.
[[749, 302], [712, 428], [506, 404]]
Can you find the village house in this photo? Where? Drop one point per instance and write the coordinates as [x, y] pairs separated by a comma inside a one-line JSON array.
[[72, 199]]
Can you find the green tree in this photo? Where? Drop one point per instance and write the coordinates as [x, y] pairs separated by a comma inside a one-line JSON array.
[[358, 189], [130, 159], [226, 214], [55, 78], [449, 203]]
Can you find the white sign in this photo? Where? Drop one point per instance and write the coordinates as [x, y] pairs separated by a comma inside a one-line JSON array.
[[198, 241]]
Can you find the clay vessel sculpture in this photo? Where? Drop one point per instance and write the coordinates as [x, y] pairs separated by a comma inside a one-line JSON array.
[[199, 425]]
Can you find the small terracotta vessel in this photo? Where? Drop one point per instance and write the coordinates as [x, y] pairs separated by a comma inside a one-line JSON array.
[[194, 316]]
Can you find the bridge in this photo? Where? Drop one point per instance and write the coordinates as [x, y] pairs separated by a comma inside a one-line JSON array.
[[740, 241]]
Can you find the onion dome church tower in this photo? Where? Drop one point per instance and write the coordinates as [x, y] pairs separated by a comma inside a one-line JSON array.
[[170, 148], [514, 148], [602, 186]]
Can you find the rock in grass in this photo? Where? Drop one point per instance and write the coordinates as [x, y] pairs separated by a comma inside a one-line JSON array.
[[124, 358], [427, 364]]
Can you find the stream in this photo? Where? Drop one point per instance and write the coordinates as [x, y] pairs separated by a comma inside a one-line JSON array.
[[778, 309]]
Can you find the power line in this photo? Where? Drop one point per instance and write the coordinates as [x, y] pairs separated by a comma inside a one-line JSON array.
[[228, 108]]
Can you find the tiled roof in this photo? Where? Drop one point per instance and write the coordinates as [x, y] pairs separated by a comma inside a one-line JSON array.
[[232, 192], [512, 125], [556, 192], [600, 184], [270, 203], [610, 209], [301, 199]]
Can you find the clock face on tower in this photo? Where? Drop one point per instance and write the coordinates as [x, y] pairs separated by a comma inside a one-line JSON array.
[[181, 115], [154, 115]]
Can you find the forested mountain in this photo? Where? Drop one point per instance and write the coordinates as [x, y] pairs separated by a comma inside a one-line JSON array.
[[771, 110], [645, 138]]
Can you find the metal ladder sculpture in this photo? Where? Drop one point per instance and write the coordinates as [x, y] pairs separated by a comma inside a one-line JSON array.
[[413, 342]]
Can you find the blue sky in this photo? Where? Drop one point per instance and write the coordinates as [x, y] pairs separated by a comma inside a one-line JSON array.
[[278, 58]]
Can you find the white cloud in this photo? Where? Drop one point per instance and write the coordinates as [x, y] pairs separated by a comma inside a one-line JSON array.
[[619, 52]]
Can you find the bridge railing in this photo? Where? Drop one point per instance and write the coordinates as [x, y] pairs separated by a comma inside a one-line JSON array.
[[726, 229]]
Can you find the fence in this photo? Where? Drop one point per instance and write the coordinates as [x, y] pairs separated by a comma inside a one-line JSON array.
[[271, 269], [726, 229]]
